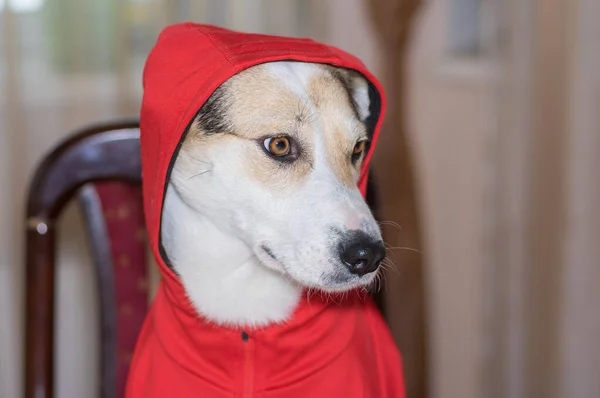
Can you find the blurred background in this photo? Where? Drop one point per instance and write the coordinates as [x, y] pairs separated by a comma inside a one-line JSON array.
[[491, 158]]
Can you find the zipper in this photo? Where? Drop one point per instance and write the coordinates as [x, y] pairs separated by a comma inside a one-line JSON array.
[[248, 365]]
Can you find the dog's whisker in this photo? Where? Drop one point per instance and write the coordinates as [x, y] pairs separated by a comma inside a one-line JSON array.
[[377, 281], [198, 174], [306, 113], [392, 248], [390, 223], [380, 281], [388, 264], [412, 249], [389, 250], [356, 126], [194, 158], [375, 286]]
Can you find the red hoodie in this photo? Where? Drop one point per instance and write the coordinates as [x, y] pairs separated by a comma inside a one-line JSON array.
[[339, 348]]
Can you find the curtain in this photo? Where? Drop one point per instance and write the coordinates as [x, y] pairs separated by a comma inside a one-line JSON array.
[[544, 274]]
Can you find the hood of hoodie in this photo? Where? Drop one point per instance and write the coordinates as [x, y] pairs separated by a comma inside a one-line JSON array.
[[188, 63], [347, 351]]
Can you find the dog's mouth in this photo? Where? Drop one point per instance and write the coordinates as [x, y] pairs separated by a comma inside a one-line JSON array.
[[269, 252], [336, 280], [341, 282], [266, 255]]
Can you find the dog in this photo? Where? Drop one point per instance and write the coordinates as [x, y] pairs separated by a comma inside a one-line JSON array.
[[255, 153], [263, 198]]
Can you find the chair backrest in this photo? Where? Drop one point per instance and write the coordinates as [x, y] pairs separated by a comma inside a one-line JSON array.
[[114, 220], [101, 168]]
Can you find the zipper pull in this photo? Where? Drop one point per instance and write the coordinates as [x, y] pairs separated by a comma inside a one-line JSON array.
[[245, 336]]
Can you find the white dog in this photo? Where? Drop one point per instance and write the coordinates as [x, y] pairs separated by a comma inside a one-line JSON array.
[[263, 198], [255, 153]]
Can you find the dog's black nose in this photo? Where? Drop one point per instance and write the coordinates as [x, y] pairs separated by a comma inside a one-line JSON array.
[[361, 253]]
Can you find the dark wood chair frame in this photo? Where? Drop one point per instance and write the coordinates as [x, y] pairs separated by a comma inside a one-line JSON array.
[[108, 152]]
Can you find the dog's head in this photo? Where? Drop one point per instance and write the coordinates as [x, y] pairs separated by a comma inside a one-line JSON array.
[[273, 157]]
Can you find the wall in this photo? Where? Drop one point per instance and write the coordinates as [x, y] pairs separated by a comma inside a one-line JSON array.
[[450, 106], [546, 269]]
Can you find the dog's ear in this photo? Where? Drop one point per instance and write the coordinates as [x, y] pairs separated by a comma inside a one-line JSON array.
[[358, 90]]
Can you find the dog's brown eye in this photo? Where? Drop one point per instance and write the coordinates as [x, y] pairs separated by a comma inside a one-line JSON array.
[[359, 148], [278, 146]]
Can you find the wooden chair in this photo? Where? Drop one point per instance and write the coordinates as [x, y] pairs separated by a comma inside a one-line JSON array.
[[100, 167]]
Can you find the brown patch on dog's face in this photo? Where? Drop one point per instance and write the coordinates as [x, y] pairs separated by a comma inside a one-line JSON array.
[[257, 104], [262, 107], [342, 130]]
